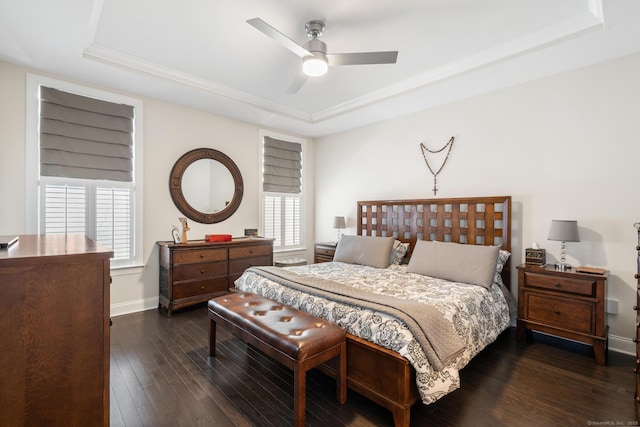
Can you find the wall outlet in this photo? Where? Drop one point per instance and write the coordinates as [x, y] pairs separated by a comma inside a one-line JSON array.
[[611, 306]]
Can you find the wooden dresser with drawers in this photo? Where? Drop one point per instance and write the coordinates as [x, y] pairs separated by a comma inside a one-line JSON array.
[[194, 272], [567, 304]]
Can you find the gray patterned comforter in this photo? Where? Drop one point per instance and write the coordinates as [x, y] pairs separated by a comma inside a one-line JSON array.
[[478, 315]]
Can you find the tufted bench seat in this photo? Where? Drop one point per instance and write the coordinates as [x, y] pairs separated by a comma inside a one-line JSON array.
[[294, 338]]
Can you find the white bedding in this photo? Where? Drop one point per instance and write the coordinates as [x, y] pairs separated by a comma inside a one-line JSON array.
[[477, 314]]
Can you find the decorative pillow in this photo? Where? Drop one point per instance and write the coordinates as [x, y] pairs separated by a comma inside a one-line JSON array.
[[364, 250], [503, 256], [457, 262], [398, 251]]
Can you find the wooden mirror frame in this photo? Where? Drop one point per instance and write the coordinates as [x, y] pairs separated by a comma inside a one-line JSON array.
[[175, 185]]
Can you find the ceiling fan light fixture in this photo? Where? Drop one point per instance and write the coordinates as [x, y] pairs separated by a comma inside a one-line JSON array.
[[315, 66]]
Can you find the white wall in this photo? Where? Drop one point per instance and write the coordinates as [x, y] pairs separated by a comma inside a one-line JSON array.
[[169, 131], [565, 147]]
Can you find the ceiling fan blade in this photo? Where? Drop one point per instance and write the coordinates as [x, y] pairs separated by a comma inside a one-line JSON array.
[[297, 83], [362, 58], [279, 37]]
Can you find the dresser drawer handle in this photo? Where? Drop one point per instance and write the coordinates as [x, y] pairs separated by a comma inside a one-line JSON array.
[[556, 311], [201, 256], [557, 285], [202, 288], [202, 271]]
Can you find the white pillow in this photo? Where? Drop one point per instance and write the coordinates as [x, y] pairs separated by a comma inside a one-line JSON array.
[[475, 264]]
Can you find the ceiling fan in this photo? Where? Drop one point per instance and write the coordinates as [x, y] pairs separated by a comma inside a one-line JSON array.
[[315, 59]]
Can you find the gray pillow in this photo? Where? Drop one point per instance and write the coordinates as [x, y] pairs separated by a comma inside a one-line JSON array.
[[364, 250], [475, 264]]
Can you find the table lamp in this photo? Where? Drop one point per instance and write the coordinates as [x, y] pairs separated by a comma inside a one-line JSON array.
[[339, 223], [563, 231]]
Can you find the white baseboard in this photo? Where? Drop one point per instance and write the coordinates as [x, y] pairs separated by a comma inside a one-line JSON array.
[[622, 345], [135, 306]]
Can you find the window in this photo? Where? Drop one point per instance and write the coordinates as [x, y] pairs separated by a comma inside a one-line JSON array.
[[282, 191], [84, 166]]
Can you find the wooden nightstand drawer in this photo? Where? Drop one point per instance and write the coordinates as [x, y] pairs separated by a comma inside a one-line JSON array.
[[561, 284], [202, 270], [325, 251], [569, 314]]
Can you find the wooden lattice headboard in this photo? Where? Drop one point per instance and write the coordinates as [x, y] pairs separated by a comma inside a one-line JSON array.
[[470, 220]]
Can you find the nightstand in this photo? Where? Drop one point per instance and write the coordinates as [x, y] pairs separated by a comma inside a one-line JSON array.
[[324, 252], [563, 303]]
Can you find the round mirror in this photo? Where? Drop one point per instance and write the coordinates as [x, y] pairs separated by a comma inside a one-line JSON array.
[[206, 185]]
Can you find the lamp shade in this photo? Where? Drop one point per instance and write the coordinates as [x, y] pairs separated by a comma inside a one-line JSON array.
[[338, 222], [564, 231]]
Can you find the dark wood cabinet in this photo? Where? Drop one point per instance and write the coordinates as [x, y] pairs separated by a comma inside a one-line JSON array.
[[563, 303], [324, 252], [197, 271], [54, 332]]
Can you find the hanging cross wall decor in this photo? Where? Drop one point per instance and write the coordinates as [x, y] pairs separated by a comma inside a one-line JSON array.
[[435, 173]]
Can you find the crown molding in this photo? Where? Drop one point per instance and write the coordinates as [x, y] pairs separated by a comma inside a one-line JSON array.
[[589, 21], [99, 53], [565, 30]]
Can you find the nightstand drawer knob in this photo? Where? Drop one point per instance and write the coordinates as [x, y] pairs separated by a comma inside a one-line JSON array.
[[557, 285], [202, 271], [556, 311]]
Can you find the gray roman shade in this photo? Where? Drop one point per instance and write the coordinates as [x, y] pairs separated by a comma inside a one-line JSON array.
[[83, 137], [282, 166]]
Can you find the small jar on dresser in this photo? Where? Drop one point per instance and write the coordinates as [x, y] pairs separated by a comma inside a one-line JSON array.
[[195, 272], [566, 303]]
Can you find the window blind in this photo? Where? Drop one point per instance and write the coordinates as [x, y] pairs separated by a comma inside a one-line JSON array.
[[282, 166], [83, 137]]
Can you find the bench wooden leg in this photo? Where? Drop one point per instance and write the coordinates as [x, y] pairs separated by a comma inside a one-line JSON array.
[[299, 395], [341, 380], [212, 337]]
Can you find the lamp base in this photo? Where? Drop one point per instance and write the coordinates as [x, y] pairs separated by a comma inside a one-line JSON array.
[[562, 267]]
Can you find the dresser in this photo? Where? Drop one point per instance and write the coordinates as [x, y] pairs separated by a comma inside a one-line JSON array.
[[195, 272], [324, 252], [54, 332], [563, 303]]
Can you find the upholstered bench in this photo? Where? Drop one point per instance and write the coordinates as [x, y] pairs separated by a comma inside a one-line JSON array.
[[294, 338]]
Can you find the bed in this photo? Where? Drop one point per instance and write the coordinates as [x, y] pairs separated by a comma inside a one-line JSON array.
[[384, 363]]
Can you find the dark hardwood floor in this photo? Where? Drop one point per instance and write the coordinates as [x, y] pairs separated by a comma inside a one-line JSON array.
[[161, 376]]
